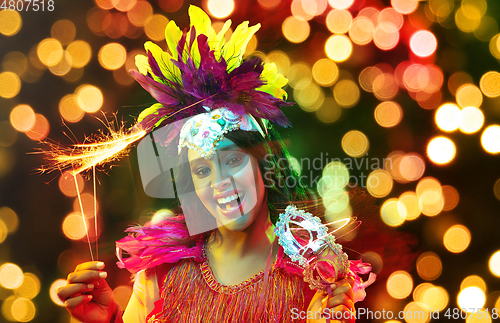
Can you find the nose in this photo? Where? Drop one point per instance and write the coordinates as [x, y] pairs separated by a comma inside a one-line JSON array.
[[220, 179]]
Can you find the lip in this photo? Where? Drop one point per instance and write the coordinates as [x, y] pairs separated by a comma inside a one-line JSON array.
[[237, 210], [227, 193]]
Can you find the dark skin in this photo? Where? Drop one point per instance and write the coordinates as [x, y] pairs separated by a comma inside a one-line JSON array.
[[87, 296]]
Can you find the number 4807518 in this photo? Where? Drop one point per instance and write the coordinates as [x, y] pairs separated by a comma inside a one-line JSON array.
[[27, 5]]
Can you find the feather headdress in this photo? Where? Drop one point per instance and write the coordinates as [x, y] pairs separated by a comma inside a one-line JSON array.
[[200, 71]]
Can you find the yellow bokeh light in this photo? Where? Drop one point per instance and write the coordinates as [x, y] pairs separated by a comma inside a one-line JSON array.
[[124, 5], [467, 18], [339, 21], [367, 77], [15, 62], [361, 31], [487, 29], [220, 8], [9, 217], [496, 189], [3, 231], [473, 280], [469, 95], [419, 291], [386, 36], [393, 212], [458, 79], [22, 118], [299, 76], [490, 139], [64, 31], [472, 120], [451, 197], [329, 111], [471, 298], [30, 287], [490, 84], [494, 264], [355, 143], [89, 98], [495, 46], [10, 85], [338, 48], [412, 205], [441, 8], [399, 284], [388, 114], [11, 276], [335, 175], [385, 87], [435, 298], [340, 4], [441, 150], [379, 183], [457, 238], [112, 56], [412, 166], [80, 52], [405, 7], [336, 200], [87, 203], [346, 93], [429, 266], [73, 226], [448, 117], [296, 30], [325, 72], [155, 27], [69, 108], [10, 22], [140, 13], [281, 60], [64, 65], [23, 310], [298, 9], [416, 312], [50, 52], [309, 98], [53, 291], [430, 195]]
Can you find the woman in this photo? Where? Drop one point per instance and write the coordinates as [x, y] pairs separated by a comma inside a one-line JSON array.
[[227, 266]]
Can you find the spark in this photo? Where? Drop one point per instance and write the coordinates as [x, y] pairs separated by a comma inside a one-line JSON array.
[[104, 149]]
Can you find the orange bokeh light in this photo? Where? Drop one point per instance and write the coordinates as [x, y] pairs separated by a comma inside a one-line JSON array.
[[67, 184], [22, 117], [40, 129], [73, 226]]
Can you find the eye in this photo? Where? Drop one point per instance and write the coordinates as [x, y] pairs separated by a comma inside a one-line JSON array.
[[234, 160], [202, 171]]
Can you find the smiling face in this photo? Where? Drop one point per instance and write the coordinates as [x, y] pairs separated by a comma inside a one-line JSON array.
[[229, 185]]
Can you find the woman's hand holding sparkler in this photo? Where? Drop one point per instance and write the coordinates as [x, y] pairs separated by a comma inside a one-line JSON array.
[[87, 296], [339, 308]]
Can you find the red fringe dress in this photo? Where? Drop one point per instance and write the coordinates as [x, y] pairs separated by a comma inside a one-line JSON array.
[[189, 292]]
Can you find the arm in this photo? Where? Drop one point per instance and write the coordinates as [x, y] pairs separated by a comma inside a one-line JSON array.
[[146, 293]]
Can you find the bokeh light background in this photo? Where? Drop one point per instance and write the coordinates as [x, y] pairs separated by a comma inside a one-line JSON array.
[[407, 89]]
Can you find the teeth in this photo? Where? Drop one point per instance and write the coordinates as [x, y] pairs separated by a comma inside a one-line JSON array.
[[229, 198]]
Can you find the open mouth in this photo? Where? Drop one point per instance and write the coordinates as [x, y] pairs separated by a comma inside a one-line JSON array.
[[230, 202]]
